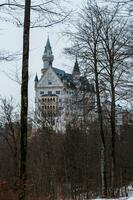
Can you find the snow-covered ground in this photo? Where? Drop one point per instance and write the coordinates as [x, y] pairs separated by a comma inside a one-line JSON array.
[[121, 198], [130, 195], [130, 198], [130, 192]]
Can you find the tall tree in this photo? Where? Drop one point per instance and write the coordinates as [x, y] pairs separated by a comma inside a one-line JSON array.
[[101, 40], [10, 131], [115, 39], [86, 44], [45, 14], [24, 100]]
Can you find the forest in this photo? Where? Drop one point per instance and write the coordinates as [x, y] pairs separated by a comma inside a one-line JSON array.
[[93, 158]]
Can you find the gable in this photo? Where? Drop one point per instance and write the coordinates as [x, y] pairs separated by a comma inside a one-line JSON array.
[[50, 79]]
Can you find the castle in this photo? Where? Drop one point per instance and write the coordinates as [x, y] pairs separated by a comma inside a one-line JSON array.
[[60, 96]]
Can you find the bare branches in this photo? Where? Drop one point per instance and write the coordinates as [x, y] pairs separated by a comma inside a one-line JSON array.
[[122, 1], [13, 75], [44, 13], [9, 57], [102, 40]]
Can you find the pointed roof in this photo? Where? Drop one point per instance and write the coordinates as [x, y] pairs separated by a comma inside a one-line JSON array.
[[36, 78], [48, 46], [76, 66]]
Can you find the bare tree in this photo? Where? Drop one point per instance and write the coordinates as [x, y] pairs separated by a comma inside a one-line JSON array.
[[10, 125], [24, 100], [45, 15], [115, 38], [86, 45], [101, 41]]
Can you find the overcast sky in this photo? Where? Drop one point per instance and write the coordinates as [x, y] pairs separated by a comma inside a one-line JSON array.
[[11, 40]]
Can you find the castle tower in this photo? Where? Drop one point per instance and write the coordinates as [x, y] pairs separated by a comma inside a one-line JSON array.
[[76, 72], [47, 56]]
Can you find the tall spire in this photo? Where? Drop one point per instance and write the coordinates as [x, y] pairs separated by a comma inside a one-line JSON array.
[[36, 78], [47, 55], [76, 67], [76, 72], [48, 46]]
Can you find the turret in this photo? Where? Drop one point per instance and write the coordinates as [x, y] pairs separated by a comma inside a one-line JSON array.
[[36, 80], [76, 72], [47, 56]]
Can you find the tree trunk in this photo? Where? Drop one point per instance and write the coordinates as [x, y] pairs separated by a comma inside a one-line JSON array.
[[103, 171], [24, 101], [103, 146], [113, 132]]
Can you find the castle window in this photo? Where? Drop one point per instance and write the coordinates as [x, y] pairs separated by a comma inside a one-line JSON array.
[[54, 99], [49, 92], [57, 92], [41, 92], [49, 83]]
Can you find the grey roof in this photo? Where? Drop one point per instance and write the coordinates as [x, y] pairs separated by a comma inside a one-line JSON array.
[[65, 76], [60, 73], [85, 85]]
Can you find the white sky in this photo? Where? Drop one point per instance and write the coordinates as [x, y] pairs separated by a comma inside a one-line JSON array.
[[11, 40]]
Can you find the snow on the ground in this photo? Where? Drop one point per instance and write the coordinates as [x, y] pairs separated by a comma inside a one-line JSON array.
[[130, 195], [130, 198], [121, 198]]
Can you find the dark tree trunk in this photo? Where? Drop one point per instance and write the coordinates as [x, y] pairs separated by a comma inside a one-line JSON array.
[[24, 100], [100, 119], [113, 133]]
